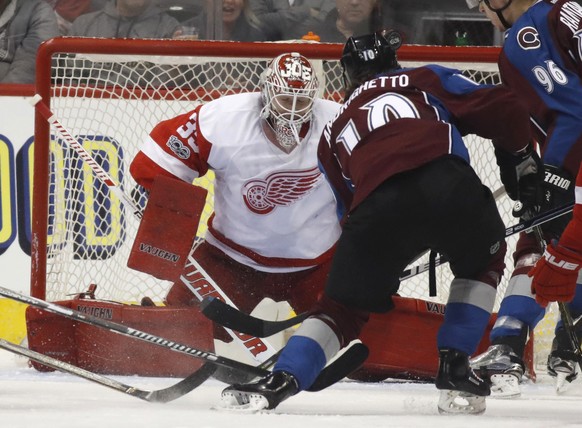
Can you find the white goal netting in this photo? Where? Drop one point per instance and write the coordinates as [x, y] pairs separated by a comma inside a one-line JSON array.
[[110, 99]]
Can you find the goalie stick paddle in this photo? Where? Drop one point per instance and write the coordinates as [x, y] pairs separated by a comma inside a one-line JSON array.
[[164, 395], [230, 317], [337, 370]]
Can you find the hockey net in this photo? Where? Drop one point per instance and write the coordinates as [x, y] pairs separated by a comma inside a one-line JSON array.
[[110, 93]]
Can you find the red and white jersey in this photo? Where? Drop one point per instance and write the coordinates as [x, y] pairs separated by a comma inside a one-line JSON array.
[[572, 236], [274, 211]]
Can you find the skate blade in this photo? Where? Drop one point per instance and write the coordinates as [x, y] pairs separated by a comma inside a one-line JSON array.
[[242, 402], [460, 403], [562, 383], [505, 386]]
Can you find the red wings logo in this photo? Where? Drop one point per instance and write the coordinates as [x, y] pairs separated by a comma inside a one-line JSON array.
[[279, 189]]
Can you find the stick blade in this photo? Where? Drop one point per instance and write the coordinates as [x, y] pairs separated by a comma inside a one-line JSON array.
[[229, 317], [351, 360], [183, 387]]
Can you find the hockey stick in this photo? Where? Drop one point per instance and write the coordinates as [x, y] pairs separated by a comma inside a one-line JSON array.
[[256, 348], [101, 174], [511, 230], [229, 376], [338, 369], [230, 317], [223, 314], [164, 395], [130, 332]]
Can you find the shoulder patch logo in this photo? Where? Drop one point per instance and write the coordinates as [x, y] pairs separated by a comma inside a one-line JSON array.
[[528, 38], [178, 147], [279, 189]]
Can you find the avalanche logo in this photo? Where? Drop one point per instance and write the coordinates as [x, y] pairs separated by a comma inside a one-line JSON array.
[[178, 147], [528, 38], [279, 189]]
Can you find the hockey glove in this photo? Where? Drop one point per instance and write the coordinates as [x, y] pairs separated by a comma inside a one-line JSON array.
[[555, 275], [522, 175]]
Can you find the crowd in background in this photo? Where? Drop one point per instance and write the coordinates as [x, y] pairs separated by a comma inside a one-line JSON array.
[[24, 24]]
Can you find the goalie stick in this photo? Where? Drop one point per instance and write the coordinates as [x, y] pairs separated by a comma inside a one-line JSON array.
[[349, 361], [195, 278], [164, 395], [226, 315]]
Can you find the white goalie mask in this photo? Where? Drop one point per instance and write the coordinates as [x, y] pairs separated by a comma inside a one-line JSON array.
[[289, 86]]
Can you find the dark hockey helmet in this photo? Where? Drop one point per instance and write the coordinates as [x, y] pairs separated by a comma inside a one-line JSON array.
[[366, 56]]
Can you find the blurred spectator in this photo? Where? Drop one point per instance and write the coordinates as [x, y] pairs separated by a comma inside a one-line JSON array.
[[182, 10], [98, 4], [281, 19], [349, 18], [138, 19], [239, 23], [67, 10], [24, 25]]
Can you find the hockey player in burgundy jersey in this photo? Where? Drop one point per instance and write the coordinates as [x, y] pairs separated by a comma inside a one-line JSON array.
[[541, 61], [275, 224], [395, 157]]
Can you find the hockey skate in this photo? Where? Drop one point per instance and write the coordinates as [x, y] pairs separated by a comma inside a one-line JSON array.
[[462, 391], [562, 361], [502, 368], [263, 394]]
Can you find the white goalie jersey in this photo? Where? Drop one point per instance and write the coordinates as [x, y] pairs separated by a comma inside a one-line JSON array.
[[273, 211]]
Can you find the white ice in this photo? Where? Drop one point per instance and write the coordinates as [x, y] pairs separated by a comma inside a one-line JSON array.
[[29, 399]]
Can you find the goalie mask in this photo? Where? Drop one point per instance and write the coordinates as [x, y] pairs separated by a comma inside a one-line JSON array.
[[289, 86], [364, 57]]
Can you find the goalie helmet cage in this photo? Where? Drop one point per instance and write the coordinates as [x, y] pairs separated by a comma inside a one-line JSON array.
[[109, 93]]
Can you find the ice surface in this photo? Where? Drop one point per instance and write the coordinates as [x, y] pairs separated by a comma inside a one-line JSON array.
[[29, 399]]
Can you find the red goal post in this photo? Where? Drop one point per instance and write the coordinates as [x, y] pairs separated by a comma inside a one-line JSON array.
[[109, 93]]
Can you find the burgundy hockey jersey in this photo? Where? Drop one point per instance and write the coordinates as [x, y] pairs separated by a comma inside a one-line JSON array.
[[404, 119], [541, 61]]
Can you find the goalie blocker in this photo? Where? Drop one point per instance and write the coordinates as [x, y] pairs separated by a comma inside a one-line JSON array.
[[168, 228]]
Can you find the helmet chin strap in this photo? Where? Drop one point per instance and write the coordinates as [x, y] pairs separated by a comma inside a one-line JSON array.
[[499, 13]]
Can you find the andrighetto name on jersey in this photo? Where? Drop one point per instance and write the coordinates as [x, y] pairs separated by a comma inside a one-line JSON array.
[[392, 81], [570, 15]]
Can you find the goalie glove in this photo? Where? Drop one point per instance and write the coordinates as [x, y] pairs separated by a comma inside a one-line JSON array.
[[555, 275], [522, 174]]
